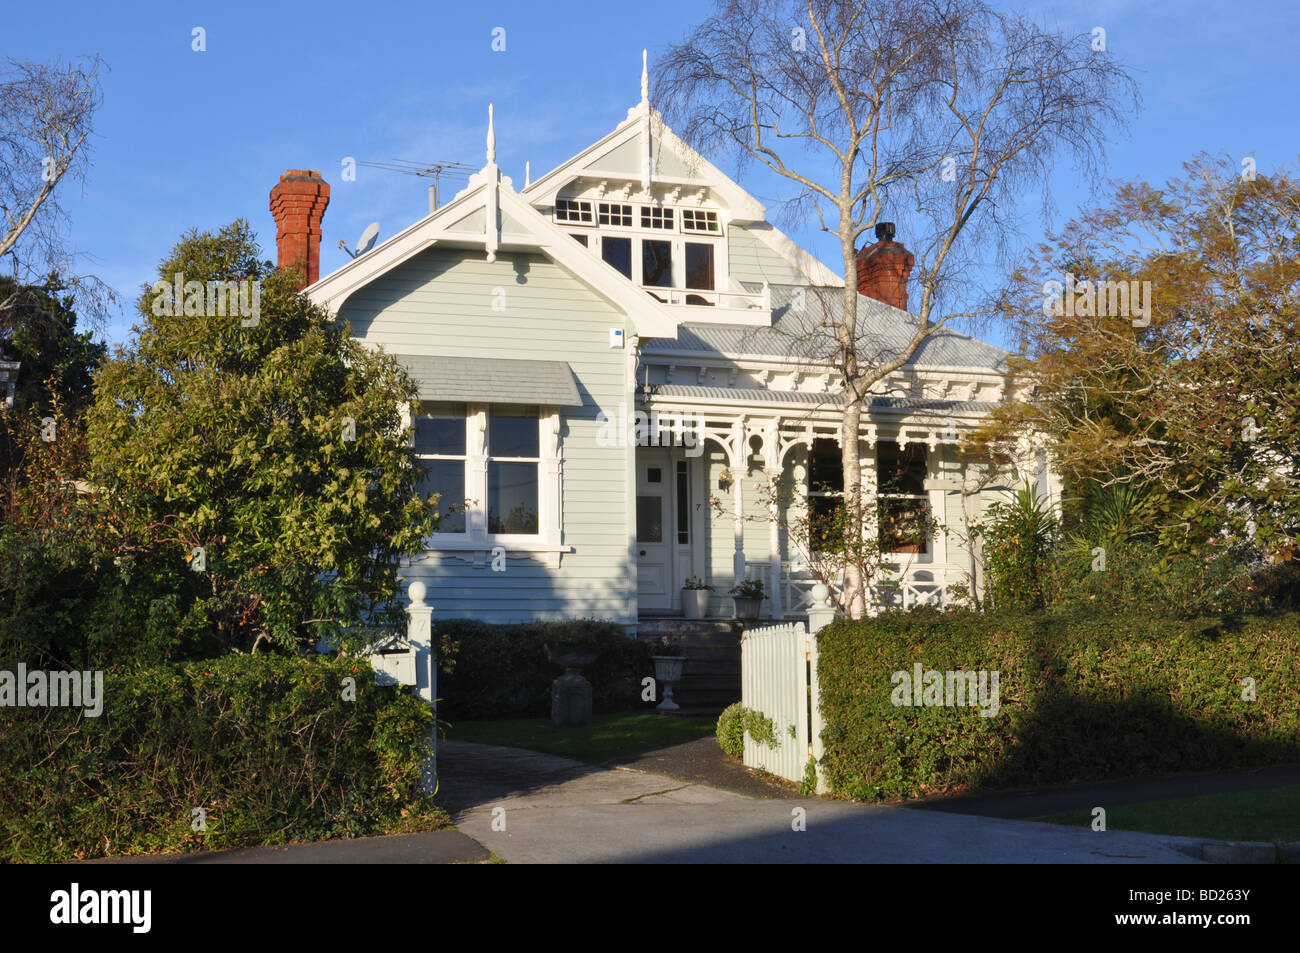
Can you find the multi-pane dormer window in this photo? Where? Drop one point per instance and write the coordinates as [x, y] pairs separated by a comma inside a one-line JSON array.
[[700, 220], [574, 211], [612, 213], [653, 216], [674, 253]]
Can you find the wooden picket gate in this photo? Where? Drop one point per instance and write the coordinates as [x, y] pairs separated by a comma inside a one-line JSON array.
[[779, 681]]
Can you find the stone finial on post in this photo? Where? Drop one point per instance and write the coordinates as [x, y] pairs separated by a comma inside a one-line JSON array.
[[822, 611]]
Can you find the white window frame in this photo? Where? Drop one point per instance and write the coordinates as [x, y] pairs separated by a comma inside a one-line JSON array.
[[476, 543], [682, 214], [677, 236], [633, 214], [590, 210]]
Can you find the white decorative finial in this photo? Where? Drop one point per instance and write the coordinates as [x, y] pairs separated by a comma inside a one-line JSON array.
[[491, 138], [528, 174], [645, 78]]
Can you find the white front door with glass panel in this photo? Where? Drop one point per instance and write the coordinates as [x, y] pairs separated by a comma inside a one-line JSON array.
[[654, 533]]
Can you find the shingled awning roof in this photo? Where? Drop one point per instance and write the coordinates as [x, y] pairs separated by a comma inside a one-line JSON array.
[[492, 380]]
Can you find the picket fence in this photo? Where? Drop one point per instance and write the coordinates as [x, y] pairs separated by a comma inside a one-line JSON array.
[[778, 674]]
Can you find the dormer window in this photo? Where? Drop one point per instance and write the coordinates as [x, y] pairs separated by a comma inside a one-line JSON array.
[[611, 213], [574, 211], [699, 220], [656, 217]]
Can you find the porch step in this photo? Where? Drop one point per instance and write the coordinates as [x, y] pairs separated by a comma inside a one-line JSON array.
[[711, 676]]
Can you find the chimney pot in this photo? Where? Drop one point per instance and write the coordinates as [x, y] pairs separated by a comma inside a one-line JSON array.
[[298, 203]]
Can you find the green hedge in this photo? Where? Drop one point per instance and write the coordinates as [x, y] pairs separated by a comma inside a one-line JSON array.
[[267, 746], [498, 671], [1082, 697]]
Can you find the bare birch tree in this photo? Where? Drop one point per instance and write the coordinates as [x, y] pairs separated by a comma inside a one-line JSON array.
[[939, 113], [47, 115]]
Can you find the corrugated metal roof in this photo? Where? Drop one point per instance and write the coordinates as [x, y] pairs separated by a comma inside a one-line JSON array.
[[493, 380], [807, 334], [925, 405]]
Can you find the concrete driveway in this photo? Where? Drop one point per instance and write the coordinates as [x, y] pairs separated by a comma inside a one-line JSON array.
[[528, 807]]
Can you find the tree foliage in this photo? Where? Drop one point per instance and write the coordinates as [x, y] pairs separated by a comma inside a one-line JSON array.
[[257, 467], [1197, 402]]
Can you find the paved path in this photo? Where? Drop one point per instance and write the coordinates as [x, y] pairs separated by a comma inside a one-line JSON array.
[[556, 810]]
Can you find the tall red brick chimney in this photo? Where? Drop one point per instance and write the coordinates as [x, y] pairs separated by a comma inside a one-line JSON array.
[[883, 268], [298, 204]]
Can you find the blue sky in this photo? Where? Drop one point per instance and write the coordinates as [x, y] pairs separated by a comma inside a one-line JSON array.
[[191, 139]]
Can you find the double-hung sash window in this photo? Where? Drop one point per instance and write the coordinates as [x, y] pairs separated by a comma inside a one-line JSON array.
[[440, 443], [826, 522], [513, 458], [904, 506]]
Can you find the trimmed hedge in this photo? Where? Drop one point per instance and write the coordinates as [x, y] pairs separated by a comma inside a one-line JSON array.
[[1082, 697], [499, 671], [266, 745]]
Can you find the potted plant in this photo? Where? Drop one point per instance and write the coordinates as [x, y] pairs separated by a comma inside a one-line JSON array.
[[669, 657], [749, 599], [695, 598]]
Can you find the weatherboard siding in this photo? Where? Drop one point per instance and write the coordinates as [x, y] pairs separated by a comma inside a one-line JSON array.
[[442, 303], [749, 258]]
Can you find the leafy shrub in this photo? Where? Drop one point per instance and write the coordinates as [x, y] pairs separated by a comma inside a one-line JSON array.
[[731, 730], [267, 746], [497, 671], [1082, 697], [1019, 539]]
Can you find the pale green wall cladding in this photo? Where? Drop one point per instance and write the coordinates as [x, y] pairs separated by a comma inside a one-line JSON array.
[[751, 259], [440, 302]]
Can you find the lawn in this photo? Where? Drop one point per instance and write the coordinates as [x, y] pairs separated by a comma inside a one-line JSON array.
[[610, 736], [1263, 814]]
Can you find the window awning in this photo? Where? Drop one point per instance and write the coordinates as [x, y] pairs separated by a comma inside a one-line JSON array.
[[490, 380]]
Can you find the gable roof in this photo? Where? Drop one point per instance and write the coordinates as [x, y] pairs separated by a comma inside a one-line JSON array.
[[670, 160], [464, 221], [796, 335]]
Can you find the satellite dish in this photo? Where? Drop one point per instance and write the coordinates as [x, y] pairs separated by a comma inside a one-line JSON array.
[[364, 243], [367, 239]]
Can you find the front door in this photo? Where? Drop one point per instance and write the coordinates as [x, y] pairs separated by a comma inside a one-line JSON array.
[[654, 536]]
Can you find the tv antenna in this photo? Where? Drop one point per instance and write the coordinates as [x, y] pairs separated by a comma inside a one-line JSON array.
[[435, 170], [364, 243]]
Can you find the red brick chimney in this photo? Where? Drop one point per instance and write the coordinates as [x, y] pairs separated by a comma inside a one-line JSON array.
[[298, 204], [883, 268]]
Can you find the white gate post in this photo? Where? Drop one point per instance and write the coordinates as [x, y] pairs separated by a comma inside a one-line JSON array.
[[822, 612], [419, 633], [820, 615]]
